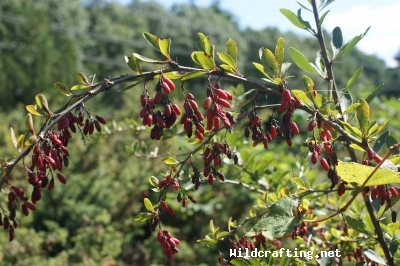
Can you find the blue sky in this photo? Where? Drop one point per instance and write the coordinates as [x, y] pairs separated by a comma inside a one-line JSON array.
[[352, 16]]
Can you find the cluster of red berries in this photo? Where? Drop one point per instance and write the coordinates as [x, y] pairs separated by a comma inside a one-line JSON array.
[[214, 103], [167, 208], [289, 105], [160, 119], [191, 117], [243, 243], [257, 134], [170, 182], [358, 255], [299, 230], [383, 193], [168, 243]]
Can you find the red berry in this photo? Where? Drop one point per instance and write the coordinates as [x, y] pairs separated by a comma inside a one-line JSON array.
[[295, 128], [143, 100], [273, 131], [324, 164], [166, 88], [169, 82], [286, 95], [207, 103], [314, 157], [311, 125], [394, 192], [61, 178]]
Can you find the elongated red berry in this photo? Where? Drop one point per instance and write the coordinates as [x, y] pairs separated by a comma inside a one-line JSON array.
[[295, 128], [171, 84], [143, 100], [207, 103], [61, 178], [30, 205], [311, 125], [314, 157], [394, 192], [286, 95], [324, 164]]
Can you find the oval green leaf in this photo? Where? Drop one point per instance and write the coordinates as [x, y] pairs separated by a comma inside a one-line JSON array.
[[62, 88], [337, 38], [203, 59], [148, 205], [82, 78], [292, 18], [13, 138], [301, 61], [164, 45]]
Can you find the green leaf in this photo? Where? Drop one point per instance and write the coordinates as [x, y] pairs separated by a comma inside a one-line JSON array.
[[261, 69], [337, 38], [328, 2], [211, 225], [380, 141], [351, 44], [280, 220], [301, 96], [390, 140], [29, 123], [301, 61], [305, 23], [42, 103], [231, 50], [358, 173], [268, 60], [279, 55], [148, 205], [170, 160], [204, 41], [203, 59], [164, 45], [152, 39], [21, 140], [193, 74], [13, 138], [352, 107], [222, 234], [353, 78], [239, 262], [293, 18], [322, 18], [356, 224], [377, 128], [226, 58], [144, 216], [62, 88], [362, 114], [133, 64], [310, 87], [351, 130], [32, 140], [374, 93], [82, 78], [146, 59], [372, 255], [153, 181], [303, 6], [79, 87], [299, 182]]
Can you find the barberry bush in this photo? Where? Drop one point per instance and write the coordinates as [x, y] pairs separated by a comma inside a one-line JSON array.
[[337, 193]]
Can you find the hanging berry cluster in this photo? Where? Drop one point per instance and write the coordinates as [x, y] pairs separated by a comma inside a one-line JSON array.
[[49, 156], [168, 243]]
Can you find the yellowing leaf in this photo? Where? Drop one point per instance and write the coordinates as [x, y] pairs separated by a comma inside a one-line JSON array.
[[62, 88], [29, 123], [32, 109], [133, 64], [32, 140], [169, 160], [21, 140], [148, 205], [144, 216], [358, 173], [203, 59], [13, 138], [153, 181], [194, 141], [164, 45], [82, 78], [279, 53], [79, 87], [42, 103], [362, 114]]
